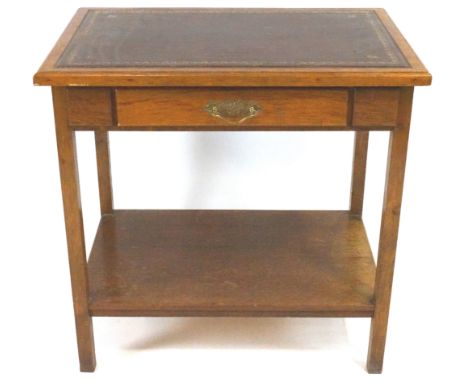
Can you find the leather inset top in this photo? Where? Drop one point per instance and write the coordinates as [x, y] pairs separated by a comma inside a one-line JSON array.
[[231, 38]]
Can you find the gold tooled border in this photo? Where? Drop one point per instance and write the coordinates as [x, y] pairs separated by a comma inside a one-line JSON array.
[[391, 49]]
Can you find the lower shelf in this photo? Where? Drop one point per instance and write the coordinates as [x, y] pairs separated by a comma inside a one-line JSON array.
[[244, 263]]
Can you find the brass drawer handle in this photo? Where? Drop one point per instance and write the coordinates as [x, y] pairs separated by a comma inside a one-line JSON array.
[[232, 111]]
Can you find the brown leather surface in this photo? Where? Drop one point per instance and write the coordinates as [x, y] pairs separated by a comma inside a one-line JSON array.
[[231, 38]]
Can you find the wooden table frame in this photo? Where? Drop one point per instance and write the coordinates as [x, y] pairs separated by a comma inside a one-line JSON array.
[[388, 235], [335, 279]]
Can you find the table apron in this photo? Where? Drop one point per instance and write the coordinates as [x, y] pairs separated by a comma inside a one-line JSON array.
[[233, 109]]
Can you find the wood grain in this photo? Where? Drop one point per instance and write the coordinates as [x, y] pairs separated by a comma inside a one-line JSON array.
[[185, 107], [104, 171], [389, 232], [376, 107], [203, 77], [182, 109], [90, 107], [244, 263], [74, 228], [358, 179]]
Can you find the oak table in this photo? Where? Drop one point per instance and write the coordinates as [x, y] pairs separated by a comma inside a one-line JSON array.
[[232, 70]]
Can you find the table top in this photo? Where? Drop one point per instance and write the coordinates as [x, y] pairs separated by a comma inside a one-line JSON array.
[[232, 47]]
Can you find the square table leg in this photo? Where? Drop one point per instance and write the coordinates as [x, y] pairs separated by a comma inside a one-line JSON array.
[[104, 171], [361, 141], [74, 228], [389, 232]]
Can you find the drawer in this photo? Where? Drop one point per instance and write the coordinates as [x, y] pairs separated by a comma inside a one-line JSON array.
[[233, 108]]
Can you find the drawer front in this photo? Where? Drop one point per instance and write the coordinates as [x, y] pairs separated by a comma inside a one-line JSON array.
[[231, 107]]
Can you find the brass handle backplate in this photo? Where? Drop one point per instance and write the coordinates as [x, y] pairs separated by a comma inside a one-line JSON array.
[[232, 111]]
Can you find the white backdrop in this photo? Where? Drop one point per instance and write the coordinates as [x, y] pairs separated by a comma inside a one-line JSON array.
[[427, 329]]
